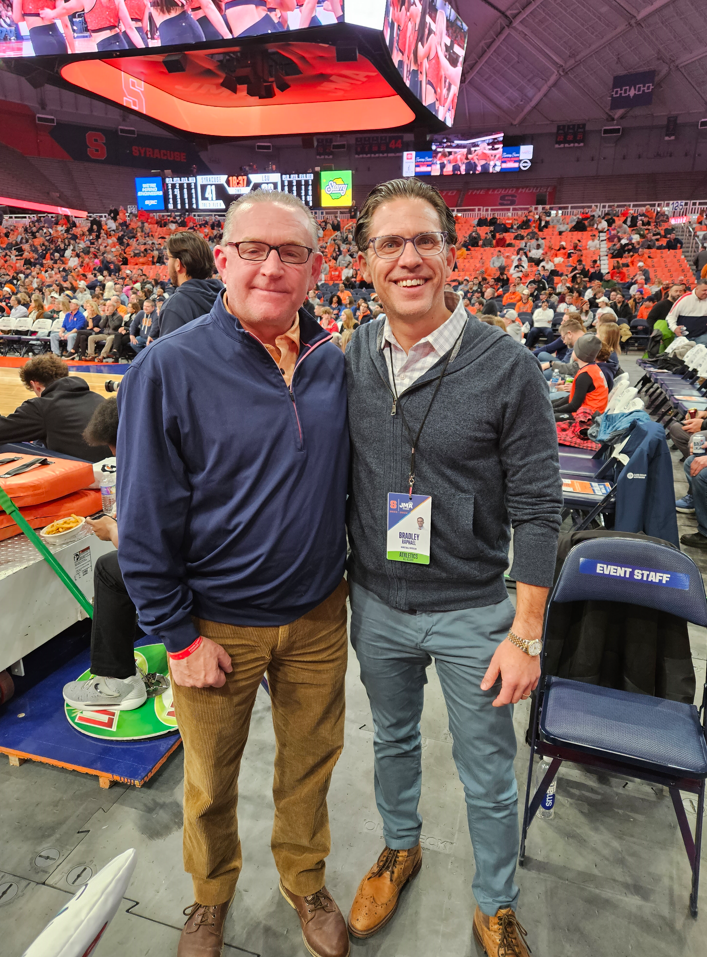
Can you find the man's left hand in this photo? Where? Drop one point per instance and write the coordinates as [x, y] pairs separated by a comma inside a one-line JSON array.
[[105, 528], [519, 673], [698, 463]]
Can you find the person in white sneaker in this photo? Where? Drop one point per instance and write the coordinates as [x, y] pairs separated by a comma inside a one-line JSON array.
[[116, 683]]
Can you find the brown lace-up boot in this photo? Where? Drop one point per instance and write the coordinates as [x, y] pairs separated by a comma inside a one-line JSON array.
[[202, 935], [323, 925], [502, 935], [378, 893]]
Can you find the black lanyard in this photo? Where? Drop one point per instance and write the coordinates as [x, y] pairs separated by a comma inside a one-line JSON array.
[[396, 403]]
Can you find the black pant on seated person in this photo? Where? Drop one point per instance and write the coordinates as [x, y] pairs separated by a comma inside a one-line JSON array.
[[114, 630], [81, 343], [122, 347], [533, 336]]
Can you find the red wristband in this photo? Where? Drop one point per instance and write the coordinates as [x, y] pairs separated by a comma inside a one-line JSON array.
[[185, 652]]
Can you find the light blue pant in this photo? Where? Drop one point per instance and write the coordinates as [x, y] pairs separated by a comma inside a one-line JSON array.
[[54, 342], [394, 649], [698, 490]]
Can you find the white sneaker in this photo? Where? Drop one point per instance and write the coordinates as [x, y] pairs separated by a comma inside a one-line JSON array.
[[118, 694]]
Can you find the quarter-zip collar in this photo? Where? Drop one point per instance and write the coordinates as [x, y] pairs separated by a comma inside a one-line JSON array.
[[311, 333]]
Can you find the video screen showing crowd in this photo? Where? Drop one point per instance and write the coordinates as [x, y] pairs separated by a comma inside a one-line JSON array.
[[51, 27], [427, 41]]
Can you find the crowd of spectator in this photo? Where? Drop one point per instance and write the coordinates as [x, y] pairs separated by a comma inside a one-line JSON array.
[[103, 289]]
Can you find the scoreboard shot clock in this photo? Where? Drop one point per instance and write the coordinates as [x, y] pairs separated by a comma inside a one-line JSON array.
[[215, 192]]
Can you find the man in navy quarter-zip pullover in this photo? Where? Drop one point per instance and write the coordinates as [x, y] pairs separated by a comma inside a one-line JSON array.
[[232, 489]]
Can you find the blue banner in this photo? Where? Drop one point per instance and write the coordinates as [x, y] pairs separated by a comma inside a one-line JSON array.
[[648, 576]]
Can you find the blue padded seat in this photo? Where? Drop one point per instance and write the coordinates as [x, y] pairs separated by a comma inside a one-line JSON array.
[[649, 732]]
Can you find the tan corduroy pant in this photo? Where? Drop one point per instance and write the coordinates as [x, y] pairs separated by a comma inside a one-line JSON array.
[[305, 663]]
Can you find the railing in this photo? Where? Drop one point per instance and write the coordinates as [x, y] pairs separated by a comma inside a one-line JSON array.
[[674, 208]]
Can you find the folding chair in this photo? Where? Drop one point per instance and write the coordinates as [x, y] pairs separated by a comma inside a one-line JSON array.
[[620, 732]]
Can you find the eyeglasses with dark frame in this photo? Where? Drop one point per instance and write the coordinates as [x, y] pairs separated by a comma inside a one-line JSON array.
[[292, 254], [392, 247]]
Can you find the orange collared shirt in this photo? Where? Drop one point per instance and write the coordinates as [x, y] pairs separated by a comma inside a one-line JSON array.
[[285, 352]]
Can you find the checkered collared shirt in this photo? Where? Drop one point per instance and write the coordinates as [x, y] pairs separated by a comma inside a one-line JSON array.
[[408, 367]]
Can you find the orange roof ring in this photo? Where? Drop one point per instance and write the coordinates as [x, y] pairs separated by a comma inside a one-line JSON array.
[[326, 97]]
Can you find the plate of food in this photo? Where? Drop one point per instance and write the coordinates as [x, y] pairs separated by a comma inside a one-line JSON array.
[[62, 530]]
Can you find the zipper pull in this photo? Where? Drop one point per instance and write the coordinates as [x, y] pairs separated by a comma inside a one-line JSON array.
[[395, 407], [292, 395]]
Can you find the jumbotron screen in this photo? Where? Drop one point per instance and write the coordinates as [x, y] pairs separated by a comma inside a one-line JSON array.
[[55, 27], [215, 192], [483, 154], [427, 41], [251, 68]]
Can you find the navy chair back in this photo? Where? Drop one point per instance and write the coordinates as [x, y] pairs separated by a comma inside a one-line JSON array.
[[634, 571]]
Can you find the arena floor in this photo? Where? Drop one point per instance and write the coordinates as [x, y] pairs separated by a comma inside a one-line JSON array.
[[13, 393], [608, 875]]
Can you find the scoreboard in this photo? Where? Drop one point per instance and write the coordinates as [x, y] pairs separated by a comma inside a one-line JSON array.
[[216, 192], [180, 192], [301, 184]]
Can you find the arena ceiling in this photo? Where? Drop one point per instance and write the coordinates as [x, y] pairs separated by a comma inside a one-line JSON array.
[[531, 64], [536, 63]]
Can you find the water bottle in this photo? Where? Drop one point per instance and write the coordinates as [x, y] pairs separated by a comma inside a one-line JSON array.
[[108, 489], [699, 440], [556, 379], [547, 805]]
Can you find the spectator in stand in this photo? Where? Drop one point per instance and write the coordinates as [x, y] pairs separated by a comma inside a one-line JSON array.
[[190, 263], [72, 321], [608, 358], [17, 309], [557, 355], [659, 311], [589, 390], [94, 313], [327, 320], [513, 325], [681, 433], [622, 308], [542, 325], [59, 412], [141, 328], [688, 316], [108, 328], [696, 500], [700, 262]]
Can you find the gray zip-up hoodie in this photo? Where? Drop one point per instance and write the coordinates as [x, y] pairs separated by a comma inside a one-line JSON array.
[[488, 456]]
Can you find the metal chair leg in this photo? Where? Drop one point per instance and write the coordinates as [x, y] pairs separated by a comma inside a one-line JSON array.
[[698, 851]]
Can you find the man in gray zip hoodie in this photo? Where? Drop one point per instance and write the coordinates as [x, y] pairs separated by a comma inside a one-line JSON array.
[[451, 432]]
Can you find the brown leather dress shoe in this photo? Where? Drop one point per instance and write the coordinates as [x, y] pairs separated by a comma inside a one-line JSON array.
[[202, 935], [378, 893], [502, 935], [323, 925]]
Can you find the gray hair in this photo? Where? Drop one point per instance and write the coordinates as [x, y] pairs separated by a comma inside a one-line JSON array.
[[259, 196]]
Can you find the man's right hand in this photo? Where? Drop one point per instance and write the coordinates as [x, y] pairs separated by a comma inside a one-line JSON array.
[[205, 668]]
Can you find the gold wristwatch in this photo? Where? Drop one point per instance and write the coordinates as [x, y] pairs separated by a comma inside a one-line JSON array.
[[532, 648]]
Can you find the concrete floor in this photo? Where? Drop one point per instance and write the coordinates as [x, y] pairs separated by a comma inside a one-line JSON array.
[[608, 875]]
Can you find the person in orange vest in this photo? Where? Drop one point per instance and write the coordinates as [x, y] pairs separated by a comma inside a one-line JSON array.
[[589, 390]]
